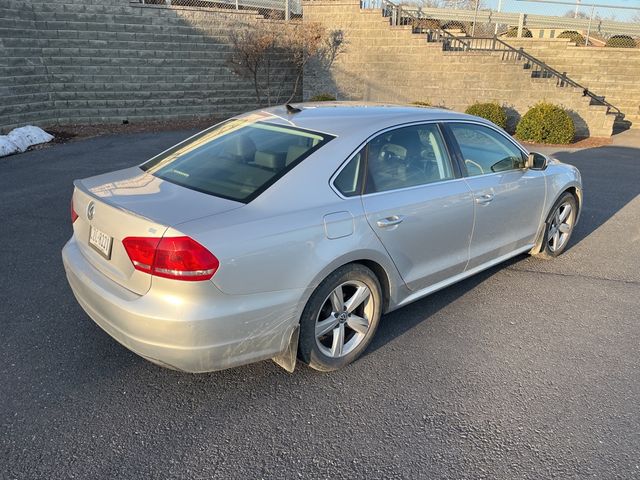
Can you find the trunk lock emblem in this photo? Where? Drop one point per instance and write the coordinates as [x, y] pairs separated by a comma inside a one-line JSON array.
[[91, 210]]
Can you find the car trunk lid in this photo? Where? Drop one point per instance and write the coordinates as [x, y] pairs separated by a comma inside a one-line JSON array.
[[132, 203]]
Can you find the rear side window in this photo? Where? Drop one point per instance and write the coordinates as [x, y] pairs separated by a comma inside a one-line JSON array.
[[485, 150], [349, 180], [237, 160]]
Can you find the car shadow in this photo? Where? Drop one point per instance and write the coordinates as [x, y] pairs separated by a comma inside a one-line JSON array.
[[610, 179]]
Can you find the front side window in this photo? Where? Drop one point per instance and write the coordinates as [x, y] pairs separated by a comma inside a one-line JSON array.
[[486, 151], [407, 157], [237, 160]]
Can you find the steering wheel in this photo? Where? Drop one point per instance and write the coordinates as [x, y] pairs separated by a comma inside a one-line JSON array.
[[475, 164]]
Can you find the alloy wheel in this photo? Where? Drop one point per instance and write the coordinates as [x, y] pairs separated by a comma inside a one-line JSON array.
[[344, 319], [560, 227]]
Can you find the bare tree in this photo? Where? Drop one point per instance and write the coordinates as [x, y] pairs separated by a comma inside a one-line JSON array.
[[251, 49], [312, 41], [573, 14], [263, 52]]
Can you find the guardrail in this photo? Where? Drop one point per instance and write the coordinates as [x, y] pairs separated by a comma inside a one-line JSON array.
[[287, 6], [605, 28]]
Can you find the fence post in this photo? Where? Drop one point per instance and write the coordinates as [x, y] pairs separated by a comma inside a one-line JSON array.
[[237, 5], [520, 25], [499, 10], [586, 40], [475, 18], [287, 9]]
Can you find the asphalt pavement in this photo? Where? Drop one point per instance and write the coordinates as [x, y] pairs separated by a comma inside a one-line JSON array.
[[530, 370]]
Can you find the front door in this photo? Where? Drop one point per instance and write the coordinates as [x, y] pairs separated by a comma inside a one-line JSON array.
[[508, 198]]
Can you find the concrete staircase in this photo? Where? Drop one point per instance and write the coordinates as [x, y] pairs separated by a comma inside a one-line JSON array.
[[391, 62], [601, 116]]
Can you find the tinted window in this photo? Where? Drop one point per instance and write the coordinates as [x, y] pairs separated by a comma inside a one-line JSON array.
[[486, 151], [237, 160], [407, 157], [348, 182]]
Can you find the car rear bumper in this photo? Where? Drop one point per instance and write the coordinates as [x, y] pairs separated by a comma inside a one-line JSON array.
[[188, 326]]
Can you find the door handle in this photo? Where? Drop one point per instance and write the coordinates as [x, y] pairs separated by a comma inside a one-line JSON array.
[[484, 199], [390, 221]]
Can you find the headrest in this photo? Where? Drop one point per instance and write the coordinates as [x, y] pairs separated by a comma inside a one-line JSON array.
[[294, 152], [397, 150], [269, 160]]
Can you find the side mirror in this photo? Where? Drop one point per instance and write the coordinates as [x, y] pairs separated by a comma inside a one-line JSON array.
[[536, 161]]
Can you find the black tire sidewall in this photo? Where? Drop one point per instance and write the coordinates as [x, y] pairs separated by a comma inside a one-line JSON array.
[[308, 350]]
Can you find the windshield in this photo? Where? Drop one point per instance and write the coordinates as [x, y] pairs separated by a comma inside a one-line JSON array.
[[237, 159]]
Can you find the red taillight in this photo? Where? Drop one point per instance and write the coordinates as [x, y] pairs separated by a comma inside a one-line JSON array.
[[179, 258], [74, 215]]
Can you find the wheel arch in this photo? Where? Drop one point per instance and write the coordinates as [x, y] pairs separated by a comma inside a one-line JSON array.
[[385, 271], [573, 189], [383, 279]]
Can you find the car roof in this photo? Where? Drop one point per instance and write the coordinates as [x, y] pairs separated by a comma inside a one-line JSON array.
[[345, 118]]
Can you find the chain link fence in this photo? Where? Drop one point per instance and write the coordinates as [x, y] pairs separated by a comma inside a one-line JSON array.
[[270, 9], [582, 22]]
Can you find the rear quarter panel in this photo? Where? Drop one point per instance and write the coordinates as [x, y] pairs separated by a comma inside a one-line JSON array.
[[279, 241]]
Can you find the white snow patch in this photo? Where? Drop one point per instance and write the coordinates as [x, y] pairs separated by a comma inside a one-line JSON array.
[[7, 147], [19, 139]]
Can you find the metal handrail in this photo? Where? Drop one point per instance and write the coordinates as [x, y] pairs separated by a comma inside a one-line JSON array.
[[495, 44], [491, 44]]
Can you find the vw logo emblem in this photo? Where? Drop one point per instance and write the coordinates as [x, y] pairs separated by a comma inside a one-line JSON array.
[[91, 210]]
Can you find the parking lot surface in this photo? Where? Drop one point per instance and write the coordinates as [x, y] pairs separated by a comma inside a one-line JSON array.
[[529, 370]]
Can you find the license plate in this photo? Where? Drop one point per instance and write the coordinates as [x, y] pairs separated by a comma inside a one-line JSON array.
[[101, 242]]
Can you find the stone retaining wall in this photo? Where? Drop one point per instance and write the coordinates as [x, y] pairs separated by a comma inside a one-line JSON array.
[[106, 61], [391, 64]]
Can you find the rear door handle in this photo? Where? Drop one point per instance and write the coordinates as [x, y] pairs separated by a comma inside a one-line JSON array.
[[390, 221], [484, 199]]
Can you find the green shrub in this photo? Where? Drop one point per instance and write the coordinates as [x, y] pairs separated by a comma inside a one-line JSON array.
[[572, 35], [621, 41], [323, 97], [513, 32], [546, 123], [493, 112]]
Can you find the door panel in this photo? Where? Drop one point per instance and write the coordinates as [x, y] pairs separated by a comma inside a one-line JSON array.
[[508, 199], [508, 207], [430, 243]]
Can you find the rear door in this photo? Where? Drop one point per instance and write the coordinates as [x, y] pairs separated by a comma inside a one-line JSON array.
[[417, 204], [508, 198]]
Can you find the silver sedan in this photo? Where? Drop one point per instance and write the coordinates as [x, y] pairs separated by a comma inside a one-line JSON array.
[[286, 233]]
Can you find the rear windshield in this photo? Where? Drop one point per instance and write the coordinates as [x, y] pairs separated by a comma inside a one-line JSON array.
[[237, 160]]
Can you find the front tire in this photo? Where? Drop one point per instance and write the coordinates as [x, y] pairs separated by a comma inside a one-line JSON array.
[[559, 226], [340, 318]]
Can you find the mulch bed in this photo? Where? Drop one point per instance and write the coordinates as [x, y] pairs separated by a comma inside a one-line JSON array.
[[67, 133], [590, 142]]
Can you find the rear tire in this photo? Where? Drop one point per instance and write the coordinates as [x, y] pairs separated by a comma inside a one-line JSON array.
[[340, 318], [559, 226]]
